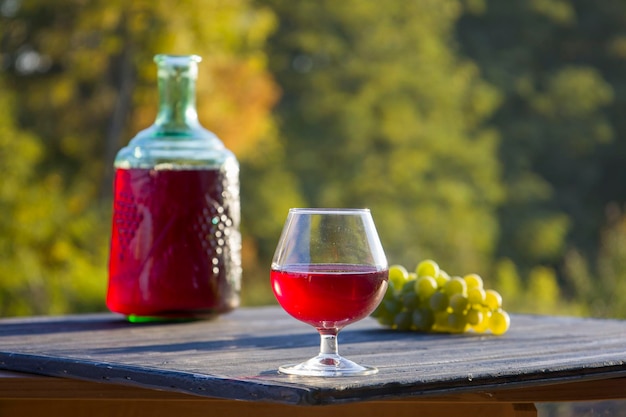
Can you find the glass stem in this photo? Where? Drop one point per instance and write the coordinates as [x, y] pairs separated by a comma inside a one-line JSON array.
[[328, 344]]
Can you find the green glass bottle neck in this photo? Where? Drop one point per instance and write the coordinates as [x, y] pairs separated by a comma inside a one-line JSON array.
[[176, 138], [177, 93]]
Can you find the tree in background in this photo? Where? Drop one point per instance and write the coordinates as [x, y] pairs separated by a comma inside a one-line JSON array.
[[379, 111], [49, 262], [559, 65], [553, 127], [600, 283], [485, 134], [85, 70], [84, 83]]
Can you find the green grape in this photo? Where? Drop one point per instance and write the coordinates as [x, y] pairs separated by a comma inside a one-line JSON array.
[[398, 275], [459, 303], [457, 322], [441, 321], [409, 286], [403, 320], [423, 319], [493, 299], [442, 278], [382, 314], [393, 306], [476, 295], [475, 317], [425, 286], [410, 300], [384, 317], [455, 285], [499, 322], [427, 267], [483, 326], [407, 296], [438, 301], [473, 281]]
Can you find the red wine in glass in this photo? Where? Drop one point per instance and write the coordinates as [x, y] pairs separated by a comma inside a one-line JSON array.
[[329, 296]]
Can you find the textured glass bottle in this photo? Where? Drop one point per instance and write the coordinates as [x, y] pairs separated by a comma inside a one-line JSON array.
[[175, 241]]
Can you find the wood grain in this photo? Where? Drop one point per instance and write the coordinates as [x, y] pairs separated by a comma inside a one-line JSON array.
[[160, 408], [236, 356]]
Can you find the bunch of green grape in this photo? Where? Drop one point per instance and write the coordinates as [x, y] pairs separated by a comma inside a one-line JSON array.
[[429, 300]]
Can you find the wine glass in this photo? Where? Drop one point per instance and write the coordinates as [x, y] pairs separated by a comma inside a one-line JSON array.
[[329, 270]]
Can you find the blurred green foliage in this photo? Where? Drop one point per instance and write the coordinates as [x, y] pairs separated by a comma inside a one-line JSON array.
[[395, 119], [51, 262], [487, 135]]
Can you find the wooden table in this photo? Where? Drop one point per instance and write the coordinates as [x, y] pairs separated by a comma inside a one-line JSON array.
[[100, 365]]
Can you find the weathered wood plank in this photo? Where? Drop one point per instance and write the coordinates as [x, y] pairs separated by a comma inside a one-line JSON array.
[[236, 356], [26, 394], [167, 408], [15, 385]]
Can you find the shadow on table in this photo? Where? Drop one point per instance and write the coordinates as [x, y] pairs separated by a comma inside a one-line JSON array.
[[39, 325]]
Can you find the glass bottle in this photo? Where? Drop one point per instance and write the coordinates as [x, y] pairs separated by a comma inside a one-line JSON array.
[[175, 241]]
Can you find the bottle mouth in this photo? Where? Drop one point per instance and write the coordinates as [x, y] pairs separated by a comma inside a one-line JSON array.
[[177, 60]]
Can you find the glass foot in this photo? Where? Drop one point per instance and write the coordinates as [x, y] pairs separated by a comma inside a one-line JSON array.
[[328, 365]]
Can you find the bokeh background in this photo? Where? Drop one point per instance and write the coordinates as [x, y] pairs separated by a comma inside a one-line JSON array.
[[488, 135]]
